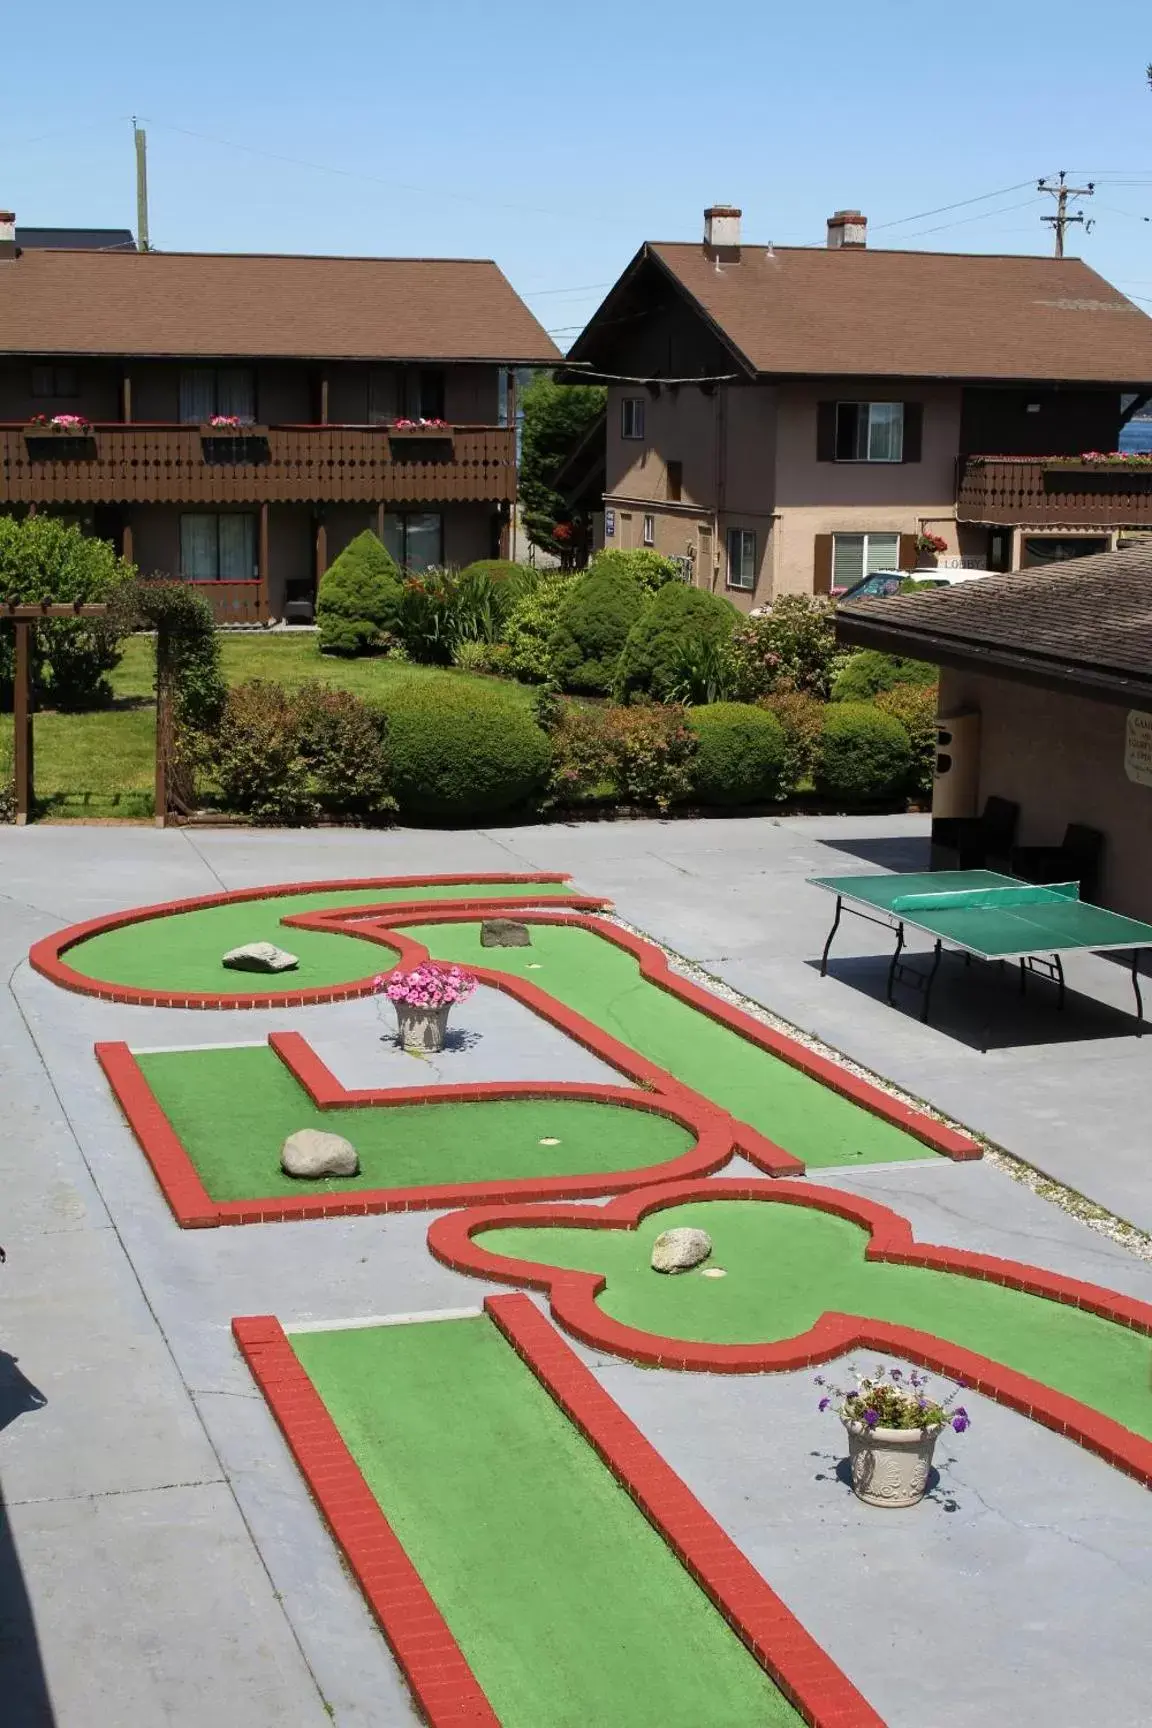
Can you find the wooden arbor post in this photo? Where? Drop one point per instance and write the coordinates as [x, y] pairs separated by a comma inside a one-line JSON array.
[[25, 619]]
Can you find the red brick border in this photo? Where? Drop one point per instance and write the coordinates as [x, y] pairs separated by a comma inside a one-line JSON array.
[[573, 1294], [418, 1635], [429, 1657]]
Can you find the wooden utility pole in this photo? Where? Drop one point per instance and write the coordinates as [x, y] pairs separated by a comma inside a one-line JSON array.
[[1062, 220], [141, 138]]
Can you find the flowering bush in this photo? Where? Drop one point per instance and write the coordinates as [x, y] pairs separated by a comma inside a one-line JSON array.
[[427, 986], [790, 646], [888, 1398]]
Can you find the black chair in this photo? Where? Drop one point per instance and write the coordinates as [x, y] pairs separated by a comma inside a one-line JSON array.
[[1076, 859], [976, 842]]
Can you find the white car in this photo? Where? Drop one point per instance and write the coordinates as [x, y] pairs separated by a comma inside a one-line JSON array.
[[881, 582]]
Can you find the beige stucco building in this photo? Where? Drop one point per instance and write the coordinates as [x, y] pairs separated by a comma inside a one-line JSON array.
[[785, 420]]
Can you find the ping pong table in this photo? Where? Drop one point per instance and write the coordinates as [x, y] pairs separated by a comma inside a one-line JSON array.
[[984, 916]]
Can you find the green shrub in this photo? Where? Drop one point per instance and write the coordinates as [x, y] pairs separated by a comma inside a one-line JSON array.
[[914, 705], [864, 756], [42, 558], [740, 756], [703, 670], [791, 646], [801, 720], [344, 742], [529, 626], [549, 707], [583, 759], [459, 750], [187, 637], [868, 672], [650, 569], [358, 606], [652, 751], [599, 610], [492, 659], [500, 571], [675, 623]]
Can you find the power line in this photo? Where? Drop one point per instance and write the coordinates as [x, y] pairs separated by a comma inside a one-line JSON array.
[[960, 204], [984, 216], [1062, 192]]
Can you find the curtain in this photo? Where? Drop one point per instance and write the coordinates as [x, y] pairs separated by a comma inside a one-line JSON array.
[[394, 537], [422, 542], [236, 392], [883, 553], [237, 542], [847, 559], [885, 431], [197, 395], [198, 548]]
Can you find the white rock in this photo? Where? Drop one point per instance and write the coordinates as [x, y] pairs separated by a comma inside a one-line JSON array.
[[311, 1152], [680, 1250], [260, 957]]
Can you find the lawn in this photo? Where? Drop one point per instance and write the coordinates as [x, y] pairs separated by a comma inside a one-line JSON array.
[[101, 764]]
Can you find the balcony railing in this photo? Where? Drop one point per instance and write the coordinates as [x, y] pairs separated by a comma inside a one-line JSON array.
[[1042, 493], [170, 464]]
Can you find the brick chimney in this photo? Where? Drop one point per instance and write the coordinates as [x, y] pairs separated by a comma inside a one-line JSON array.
[[722, 233], [847, 228], [7, 234]]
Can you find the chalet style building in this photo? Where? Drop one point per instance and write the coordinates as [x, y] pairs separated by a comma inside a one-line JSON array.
[[237, 420], [799, 417]]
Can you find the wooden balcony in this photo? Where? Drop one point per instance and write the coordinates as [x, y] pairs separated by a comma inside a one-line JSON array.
[[170, 464], [1035, 492]]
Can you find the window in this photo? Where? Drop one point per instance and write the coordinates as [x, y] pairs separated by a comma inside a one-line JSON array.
[[741, 558], [48, 381], [218, 548], [675, 481], [855, 556], [382, 396], [425, 393], [415, 539], [632, 417], [649, 530], [209, 390], [869, 431]]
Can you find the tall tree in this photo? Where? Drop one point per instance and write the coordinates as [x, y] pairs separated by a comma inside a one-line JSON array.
[[556, 418]]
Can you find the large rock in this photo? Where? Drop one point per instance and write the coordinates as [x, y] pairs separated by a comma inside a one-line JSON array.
[[311, 1152], [504, 933], [260, 957], [680, 1250]]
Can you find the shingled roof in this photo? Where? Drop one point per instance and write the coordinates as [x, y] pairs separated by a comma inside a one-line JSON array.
[[818, 312], [1086, 621], [234, 305]]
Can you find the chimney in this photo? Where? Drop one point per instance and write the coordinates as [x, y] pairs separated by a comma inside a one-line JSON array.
[[722, 233], [7, 234], [847, 228]]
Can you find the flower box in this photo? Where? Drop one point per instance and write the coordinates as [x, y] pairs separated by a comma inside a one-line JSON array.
[[66, 438], [233, 442]]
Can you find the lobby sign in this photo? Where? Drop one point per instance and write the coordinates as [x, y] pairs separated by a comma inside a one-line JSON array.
[[1138, 747]]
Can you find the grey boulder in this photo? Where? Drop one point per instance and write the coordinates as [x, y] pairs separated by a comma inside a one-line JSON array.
[[504, 933], [679, 1250], [311, 1152], [260, 957]]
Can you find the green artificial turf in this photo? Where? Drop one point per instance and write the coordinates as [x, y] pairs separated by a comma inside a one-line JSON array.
[[787, 1265], [184, 950], [603, 983], [570, 1609], [233, 1110]]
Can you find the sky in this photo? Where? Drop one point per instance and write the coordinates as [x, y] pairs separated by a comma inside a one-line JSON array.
[[557, 139]]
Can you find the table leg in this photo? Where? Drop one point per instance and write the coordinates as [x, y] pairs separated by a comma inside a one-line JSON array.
[[1059, 980], [928, 985], [831, 934], [895, 962], [1136, 988]]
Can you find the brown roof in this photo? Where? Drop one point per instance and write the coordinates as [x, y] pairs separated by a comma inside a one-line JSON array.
[[1083, 621], [813, 311], [183, 303]]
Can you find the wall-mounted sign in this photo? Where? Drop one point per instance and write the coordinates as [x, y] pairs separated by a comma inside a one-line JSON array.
[[609, 524], [1138, 747]]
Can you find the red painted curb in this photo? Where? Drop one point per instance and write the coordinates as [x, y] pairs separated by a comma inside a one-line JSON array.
[[572, 1295], [429, 1657], [804, 1672]]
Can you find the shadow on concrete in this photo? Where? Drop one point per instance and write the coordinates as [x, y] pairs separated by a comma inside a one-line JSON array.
[[23, 1686], [895, 852]]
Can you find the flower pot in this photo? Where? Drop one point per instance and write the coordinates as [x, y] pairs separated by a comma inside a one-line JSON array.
[[890, 1466], [421, 1028]]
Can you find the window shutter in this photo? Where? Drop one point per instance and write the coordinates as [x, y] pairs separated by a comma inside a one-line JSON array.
[[822, 564], [825, 431], [913, 431], [907, 551]]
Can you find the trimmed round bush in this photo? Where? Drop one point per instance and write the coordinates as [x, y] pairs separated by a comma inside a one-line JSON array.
[[870, 671], [598, 612], [360, 598], [677, 625], [498, 569], [863, 755], [460, 751], [648, 568], [530, 624], [741, 754], [43, 558]]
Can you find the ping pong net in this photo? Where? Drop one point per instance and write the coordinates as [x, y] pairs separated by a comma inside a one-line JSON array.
[[988, 899]]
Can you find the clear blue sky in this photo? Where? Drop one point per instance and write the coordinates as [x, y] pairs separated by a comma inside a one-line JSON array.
[[555, 139]]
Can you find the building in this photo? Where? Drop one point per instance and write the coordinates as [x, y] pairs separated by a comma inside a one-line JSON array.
[[1057, 672], [77, 239], [786, 419], [242, 418]]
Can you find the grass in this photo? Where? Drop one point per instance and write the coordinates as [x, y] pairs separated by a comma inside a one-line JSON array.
[[100, 765]]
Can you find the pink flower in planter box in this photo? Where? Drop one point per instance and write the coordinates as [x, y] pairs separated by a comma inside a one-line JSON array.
[[427, 986]]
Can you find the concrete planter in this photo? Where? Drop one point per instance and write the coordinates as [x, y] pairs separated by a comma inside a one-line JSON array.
[[422, 1028], [890, 1466]]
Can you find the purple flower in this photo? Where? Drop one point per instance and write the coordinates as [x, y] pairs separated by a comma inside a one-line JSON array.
[[896, 1374], [960, 1422], [871, 1418], [824, 1403]]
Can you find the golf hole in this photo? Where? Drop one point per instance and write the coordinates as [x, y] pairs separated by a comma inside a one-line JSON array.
[[549, 1140], [533, 966], [713, 1272]]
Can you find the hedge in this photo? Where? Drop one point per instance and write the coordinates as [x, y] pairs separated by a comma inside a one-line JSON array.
[[870, 671], [741, 755], [360, 597], [288, 757], [598, 612], [459, 752], [915, 708], [675, 624], [43, 558], [530, 624], [648, 568], [863, 755]]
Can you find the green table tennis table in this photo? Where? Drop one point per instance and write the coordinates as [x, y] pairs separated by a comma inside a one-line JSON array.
[[985, 916]]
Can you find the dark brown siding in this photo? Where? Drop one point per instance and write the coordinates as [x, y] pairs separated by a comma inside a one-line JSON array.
[[1066, 422]]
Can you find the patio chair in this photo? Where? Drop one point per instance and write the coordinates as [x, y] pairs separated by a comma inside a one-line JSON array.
[[1076, 859], [981, 842]]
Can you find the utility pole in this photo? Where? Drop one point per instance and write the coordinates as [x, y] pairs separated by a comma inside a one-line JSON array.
[[1062, 220], [141, 139]]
